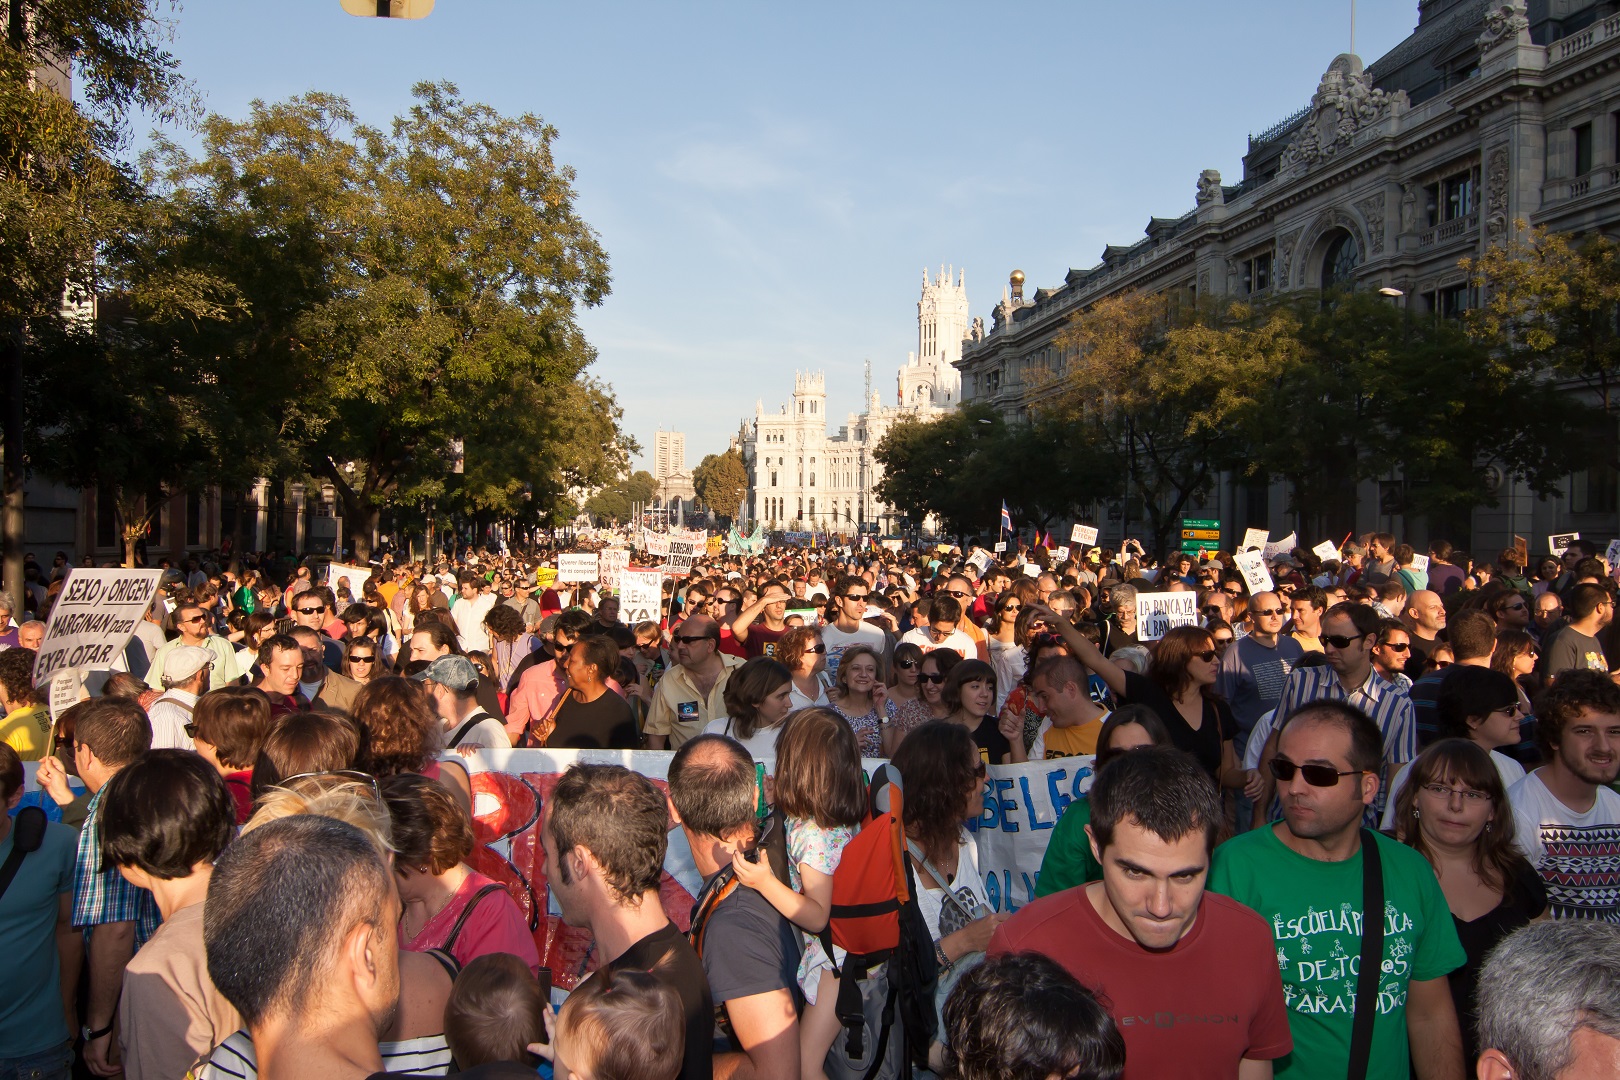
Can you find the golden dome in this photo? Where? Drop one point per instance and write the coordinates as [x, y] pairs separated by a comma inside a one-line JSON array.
[[1017, 277]]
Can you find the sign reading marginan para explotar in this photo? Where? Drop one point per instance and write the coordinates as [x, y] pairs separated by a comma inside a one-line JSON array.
[[93, 619]]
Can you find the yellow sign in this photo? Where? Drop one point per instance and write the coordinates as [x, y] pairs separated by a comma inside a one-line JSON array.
[[717, 544], [545, 577]]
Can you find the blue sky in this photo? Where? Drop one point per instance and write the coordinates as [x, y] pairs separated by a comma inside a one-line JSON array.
[[770, 179]]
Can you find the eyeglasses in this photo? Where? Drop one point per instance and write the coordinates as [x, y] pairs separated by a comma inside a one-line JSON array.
[[1470, 797], [821, 648], [925, 677], [958, 593], [347, 774], [860, 597], [1341, 641], [1206, 656], [1211, 610], [1013, 607], [688, 639], [1266, 613], [309, 610], [941, 633], [1397, 646], [194, 618], [1315, 775], [906, 664]]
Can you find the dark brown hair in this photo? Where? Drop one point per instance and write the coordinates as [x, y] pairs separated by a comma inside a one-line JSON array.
[[235, 720], [1168, 668], [1143, 717], [494, 1011], [747, 689], [620, 818], [308, 742], [403, 733], [1574, 691], [965, 672], [1461, 761], [430, 828], [115, 729], [937, 762], [165, 813], [818, 770]]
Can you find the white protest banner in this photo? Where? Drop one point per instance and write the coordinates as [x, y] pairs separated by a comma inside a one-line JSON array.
[[1613, 554], [1254, 539], [614, 561], [656, 544], [1558, 543], [1420, 563], [93, 618], [1001, 546], [1061, 554], [577, 567], [1032, 569], [357, 575], [893, 545], [1020, 806], [1085, 535], [683, 553], [641, 596], [1326, 551], [979, 560], [1282, 547], [65, 692], [1252, 565], [1157, 612]]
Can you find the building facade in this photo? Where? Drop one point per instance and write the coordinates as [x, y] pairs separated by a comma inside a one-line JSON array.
[[674, 480], [1490, 113], [802, 476]]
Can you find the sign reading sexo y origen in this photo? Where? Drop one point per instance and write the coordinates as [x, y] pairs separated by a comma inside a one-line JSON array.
[[93, 618]]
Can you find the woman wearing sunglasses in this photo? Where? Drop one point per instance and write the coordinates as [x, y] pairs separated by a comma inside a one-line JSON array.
[[1179, 686], [905, 685], [1455, 812], [929, 703], [1480, 706], [361, 659], [804, 654], [1006, 650]]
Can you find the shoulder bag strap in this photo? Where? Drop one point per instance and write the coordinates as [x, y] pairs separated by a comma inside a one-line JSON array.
[[27, 834], [1372, 956], [461, 920], [478, 715], [947, 893]]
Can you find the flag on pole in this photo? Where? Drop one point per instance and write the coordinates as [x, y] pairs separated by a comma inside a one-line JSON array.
[[1006, 518]]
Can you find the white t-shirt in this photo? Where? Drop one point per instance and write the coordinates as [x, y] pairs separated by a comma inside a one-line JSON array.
[[799, 701], [1577, 855], [959, 641], [488, 731], [837, 642], [469, 620], [967, 886], [1510, 771], [761, 744]]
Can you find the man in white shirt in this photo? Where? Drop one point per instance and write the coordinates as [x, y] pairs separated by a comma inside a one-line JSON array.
[[185, 677], [452, 682], [848, 626], [469, 613], [943, 630], [1566, 817]]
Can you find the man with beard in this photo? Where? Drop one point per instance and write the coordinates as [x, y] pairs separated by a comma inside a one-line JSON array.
[[1566, 818]]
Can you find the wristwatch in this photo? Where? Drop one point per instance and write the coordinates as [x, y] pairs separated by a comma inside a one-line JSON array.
[[92, 1036], [940, 958]]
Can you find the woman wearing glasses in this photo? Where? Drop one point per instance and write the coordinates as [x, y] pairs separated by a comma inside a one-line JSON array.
[[1455, 812], [905, 684], [1480, 706], [361, 658], [804, 654], [1007, 654], [929, 703]]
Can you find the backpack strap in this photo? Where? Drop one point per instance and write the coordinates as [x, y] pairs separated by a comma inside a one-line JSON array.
[[176, 702], [721, 886], [461, 920], [1372, 955], [477, 716], [28, 833]]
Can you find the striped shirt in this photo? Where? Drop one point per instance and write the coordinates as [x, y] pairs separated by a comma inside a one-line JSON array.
[[1390, 709], [100, 894], [235, 1059]]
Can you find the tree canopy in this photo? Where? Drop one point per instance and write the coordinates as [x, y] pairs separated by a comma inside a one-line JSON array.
[[721, 482]]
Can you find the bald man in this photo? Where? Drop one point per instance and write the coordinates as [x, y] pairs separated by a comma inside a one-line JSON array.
[[1425, 619]]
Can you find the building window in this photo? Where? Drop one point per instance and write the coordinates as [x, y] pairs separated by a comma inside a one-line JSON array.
[[1339, 265], [773, 478], [1459, 192], [1455, 300], [1256, 274], [1583, 148], [812, 479], [992, 382], [812, 507]]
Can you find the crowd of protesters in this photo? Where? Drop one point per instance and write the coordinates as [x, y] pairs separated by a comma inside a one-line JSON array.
[[249, 850]]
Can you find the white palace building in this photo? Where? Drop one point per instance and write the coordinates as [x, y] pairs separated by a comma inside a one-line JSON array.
[[801, 477]]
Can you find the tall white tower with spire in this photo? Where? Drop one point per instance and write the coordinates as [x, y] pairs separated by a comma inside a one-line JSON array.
[[930, 376]]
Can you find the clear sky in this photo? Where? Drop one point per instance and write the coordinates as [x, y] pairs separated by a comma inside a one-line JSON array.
[[770, 179]]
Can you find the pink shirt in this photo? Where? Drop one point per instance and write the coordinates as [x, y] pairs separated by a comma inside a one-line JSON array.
[[496, 925], [536, 693]]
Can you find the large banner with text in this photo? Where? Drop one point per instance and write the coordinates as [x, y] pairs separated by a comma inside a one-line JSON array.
[[1022, 803]]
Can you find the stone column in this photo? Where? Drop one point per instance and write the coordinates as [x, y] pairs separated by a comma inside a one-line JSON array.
[[296, 493], [261, 518]]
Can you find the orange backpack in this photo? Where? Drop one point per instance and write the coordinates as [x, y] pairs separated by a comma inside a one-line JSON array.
[[869, 886]]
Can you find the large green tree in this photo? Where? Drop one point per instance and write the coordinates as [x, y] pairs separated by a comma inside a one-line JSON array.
[[613, 503], [398, 297], [721, 481]]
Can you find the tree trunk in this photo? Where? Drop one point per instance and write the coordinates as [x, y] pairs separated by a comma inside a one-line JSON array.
[[12, 526]]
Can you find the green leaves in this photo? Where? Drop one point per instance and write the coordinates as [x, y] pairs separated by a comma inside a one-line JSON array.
[[721, 482]]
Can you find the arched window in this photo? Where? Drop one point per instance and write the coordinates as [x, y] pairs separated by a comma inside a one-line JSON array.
[[1340, 263], [812, 507]]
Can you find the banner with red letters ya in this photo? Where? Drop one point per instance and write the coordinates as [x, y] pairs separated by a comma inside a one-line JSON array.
[[1022, 803]]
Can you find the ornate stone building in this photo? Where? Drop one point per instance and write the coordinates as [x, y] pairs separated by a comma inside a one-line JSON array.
[[1490, 112], [801, 477]]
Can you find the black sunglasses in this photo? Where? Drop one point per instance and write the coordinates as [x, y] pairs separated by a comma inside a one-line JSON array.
[[1397, 646], [686, 639], [817, 648], [309, 610], [1206, 656], [907, 664], [362, 659], [1315, 775], [1341, 641], [925, 677], [1266, 613]]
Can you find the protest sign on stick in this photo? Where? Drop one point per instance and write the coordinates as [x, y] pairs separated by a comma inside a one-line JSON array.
[[93, 618], [1157, 612]]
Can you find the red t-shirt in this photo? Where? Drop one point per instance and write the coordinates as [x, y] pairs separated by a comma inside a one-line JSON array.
[[1192, 1011], [762, 639]]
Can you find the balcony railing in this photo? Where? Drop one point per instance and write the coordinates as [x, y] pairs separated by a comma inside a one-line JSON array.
[[1449, 230]]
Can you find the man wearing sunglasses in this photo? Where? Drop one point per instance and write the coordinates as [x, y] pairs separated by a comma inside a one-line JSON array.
[[195, 632], [314, 608], [1349, 632], [1255, 668], [1304, 874], [849, 627], [692, 693]]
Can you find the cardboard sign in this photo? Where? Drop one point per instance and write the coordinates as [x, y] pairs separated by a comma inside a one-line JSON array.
[[1558, 543], [357, 575], [1252, 565], [1281, 547], [892, 545], [683, 554], [1254, 539], [613, 563], [65, 690], [979, 560], [578, 567], [1085, 535], [1613, 554], [1420, 563], [656, 544], [93, 618], [1522, 546], [641, 596], [1062, 554], [1157, 612], [1326, 551], [1032, 569], [1001, 546]]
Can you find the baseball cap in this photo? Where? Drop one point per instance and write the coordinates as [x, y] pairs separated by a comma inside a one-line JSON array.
[[455, 672], [185, 661]]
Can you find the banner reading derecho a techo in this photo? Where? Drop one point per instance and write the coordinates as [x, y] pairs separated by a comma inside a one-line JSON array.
[[1022, 803]]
